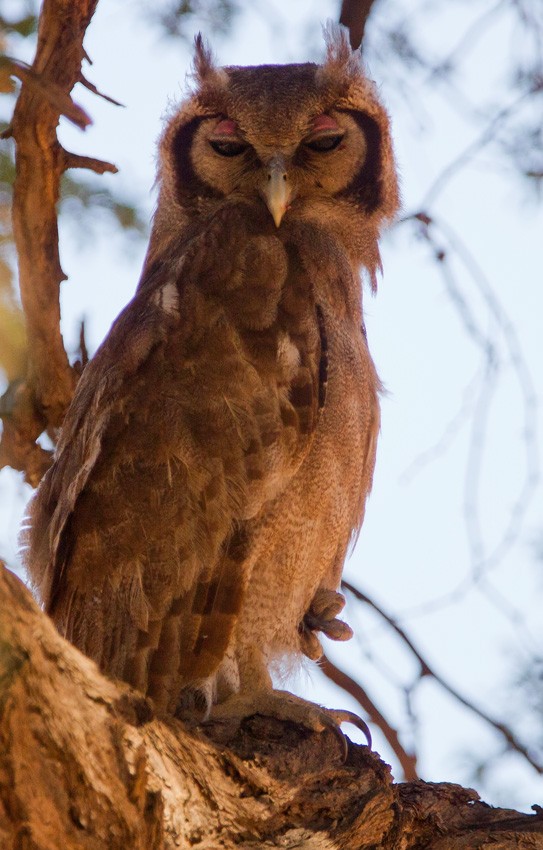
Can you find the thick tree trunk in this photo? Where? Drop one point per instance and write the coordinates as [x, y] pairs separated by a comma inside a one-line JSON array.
[[85, 764]]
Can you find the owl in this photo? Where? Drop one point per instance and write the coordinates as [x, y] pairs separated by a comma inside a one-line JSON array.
[[216, 458]]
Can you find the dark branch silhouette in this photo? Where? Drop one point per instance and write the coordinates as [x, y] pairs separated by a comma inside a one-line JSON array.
[[354, 15]]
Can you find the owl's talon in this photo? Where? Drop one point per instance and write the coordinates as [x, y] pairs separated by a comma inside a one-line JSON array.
[[340, 737], [326, 603], [343, 716], [283, 705], [337, 630]]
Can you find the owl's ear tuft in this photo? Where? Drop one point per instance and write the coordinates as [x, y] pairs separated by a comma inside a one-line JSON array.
[[205, 70], [341, 61], [203, 59]]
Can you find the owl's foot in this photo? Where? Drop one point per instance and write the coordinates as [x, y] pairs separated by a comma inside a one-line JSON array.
[[283, 705], [322, 617]]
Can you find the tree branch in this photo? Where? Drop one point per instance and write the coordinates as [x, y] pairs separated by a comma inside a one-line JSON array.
[[86, 763], [507, 734], [56, 96], [354, 15], [408, 761], [99, 166], [91, 87], [41, 402]]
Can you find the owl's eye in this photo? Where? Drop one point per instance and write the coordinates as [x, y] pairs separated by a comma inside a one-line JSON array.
[[230, 148], [323, 144]]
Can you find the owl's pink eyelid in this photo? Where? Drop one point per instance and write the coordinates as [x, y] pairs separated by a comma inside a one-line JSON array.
[[226, 128], [324, 122]]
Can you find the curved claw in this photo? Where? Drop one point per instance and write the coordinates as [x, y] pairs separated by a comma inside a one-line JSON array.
[[343, 716], [285, 706], [340, 737]]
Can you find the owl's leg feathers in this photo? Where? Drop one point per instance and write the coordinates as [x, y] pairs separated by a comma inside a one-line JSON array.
[[322, 617], [283, 705]]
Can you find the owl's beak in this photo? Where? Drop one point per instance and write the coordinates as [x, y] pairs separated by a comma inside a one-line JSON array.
[[276, 191]]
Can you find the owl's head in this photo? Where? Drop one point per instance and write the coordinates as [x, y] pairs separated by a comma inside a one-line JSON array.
[[291, 141]]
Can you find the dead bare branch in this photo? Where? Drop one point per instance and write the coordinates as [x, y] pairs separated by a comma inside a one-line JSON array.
[[47, 89], [99, 166], [91, 87]]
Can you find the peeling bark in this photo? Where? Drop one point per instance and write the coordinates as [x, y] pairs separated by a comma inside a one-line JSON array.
[[86, 764]]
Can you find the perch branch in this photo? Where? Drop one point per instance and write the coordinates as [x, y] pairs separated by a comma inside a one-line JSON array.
[[88, 764]]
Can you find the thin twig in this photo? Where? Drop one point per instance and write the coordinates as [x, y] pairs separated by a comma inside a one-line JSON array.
[[91, 87], [474, 32], [483, 562], [83, 350], [99, 166], [488, 135]]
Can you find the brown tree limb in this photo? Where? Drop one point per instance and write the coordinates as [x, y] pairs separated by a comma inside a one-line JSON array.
[[18, 448], [84, 763], [41, 402], [507, 734], [408, 761], [354, 15], [54, 94]]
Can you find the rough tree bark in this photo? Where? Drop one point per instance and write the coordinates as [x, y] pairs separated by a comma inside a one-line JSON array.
[[40, 402], [86, 765]]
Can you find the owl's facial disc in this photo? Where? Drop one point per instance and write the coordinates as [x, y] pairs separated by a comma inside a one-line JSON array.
[[291, 168]]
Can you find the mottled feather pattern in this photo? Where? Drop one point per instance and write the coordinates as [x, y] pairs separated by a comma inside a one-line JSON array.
[[217, 385], [216, 458]]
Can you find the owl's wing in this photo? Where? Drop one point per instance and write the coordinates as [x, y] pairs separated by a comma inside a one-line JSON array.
[[97, 404], [196, 410]]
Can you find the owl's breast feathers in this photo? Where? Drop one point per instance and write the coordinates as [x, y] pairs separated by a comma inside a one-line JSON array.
[[196, 411]]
